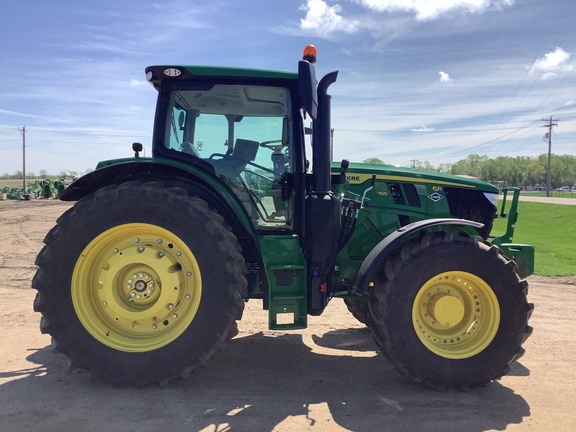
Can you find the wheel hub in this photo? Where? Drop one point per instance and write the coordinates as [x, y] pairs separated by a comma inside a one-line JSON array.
[[456, 314], [142, 287], [136, 287], [447, 310]]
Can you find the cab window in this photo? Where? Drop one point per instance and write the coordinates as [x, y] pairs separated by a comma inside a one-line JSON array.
[[244, 133]]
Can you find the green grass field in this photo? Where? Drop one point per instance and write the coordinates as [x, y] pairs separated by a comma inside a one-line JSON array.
[[551, 229], [16, 183], [555, 194]]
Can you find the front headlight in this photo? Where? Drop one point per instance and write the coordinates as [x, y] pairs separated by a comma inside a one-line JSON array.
[[492, 197]]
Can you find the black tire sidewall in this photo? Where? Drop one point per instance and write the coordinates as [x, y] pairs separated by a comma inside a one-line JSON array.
[[397, 330], [200, 229]]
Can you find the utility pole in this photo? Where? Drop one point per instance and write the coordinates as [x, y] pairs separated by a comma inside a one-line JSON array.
[[23, 132], [549, 125]]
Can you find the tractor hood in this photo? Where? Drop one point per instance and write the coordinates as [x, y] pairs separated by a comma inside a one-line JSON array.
[[358, 173]]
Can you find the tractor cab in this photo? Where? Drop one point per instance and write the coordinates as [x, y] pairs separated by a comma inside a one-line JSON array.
[[244, 135]]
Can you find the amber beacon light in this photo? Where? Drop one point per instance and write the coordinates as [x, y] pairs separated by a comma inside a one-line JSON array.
[[309, 54]]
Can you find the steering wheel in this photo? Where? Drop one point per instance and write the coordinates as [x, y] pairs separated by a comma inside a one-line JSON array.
[[267, 144]]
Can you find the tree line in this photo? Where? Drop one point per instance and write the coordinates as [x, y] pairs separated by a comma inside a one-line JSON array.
[[43, 174], [507, 171], [503, 170]]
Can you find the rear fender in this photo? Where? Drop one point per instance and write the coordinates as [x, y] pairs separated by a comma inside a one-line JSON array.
[[393, 241], [197, 181]]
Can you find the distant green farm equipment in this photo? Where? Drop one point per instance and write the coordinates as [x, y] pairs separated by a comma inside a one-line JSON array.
[[15, 194], [41, 188], [47, 188]]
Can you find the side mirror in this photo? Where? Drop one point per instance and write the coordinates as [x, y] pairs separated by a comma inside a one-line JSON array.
[[137, 147]]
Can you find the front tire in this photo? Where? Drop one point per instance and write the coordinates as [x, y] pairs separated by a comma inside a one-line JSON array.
[[359, 309], [138, 283], [449, 311]]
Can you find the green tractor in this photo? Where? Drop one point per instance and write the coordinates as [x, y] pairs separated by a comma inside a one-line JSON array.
[[44, 188], [144, 278]]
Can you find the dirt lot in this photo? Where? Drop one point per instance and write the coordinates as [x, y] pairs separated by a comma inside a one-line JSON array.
[[328, 377]]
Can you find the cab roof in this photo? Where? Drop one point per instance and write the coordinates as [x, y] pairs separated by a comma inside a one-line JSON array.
[[157, 74]]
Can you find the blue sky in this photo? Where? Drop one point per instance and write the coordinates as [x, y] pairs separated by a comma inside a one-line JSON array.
[[419, 79]]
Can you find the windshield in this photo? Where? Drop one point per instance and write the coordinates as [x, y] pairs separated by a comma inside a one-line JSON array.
[[244, 133]]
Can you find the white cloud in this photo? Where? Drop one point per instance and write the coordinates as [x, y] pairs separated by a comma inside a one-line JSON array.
[[423, 129], [137, 83], [347, 51], [444, 77], [570, 102], [20, 114], [324, 19], [551, 63], [432, 9]]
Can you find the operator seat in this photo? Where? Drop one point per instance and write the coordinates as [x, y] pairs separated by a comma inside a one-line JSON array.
[[232, 165]]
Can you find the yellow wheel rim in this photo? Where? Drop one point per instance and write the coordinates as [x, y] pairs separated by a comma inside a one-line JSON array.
[[136, 287], [456, 315]]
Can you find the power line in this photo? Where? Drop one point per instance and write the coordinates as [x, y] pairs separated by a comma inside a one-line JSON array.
[[23, 132], [548, 135], [560, 13]]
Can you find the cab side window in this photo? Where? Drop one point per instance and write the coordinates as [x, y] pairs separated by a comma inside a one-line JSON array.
[[244, 133]]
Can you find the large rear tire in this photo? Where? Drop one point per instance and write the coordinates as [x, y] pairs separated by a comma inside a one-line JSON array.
[[449, 311], [139, 283]]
